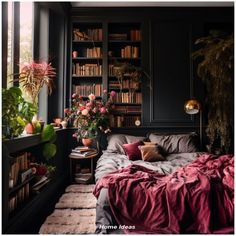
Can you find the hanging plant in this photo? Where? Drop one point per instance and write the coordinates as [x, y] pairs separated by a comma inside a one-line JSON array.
[[216, 68]]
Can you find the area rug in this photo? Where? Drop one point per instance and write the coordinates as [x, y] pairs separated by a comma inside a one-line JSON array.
[[75, 212]]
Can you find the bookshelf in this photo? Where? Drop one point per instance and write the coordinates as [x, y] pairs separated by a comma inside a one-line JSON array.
[[124, 46], [87, 58], [96, 50], [24, 196]]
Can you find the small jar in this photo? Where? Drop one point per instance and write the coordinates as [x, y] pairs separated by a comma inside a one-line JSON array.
[[64, 124], [75, 54]]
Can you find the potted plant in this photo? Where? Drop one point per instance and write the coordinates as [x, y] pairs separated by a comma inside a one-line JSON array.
[[32, 77], [125, 69], [89, 116], [16, 112], [216, 69]]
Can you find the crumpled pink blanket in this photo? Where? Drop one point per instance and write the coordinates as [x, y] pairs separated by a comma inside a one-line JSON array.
[[198, 198]]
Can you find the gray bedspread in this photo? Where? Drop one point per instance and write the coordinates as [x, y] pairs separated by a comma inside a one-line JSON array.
[[111, 161]]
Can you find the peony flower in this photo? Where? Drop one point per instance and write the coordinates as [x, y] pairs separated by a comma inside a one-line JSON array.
[[82, 108], [67, 111], [113, 93], [74, 95], [104, 91], [89, 104], [91, 97], [103, 110], [84, 112], [95, 110]]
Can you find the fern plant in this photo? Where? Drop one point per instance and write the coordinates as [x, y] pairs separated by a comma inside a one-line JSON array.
[[216, 68]]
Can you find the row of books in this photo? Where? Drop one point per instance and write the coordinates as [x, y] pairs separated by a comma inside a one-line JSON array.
[[128, 97], [123, 121], [18, 170], [125, 84], [117, 36], [127, 109], [82, 152], [89, 34], [95, 34], [95, 52], [21, 195], [85, 90], [135, 35], [86, 69], [130, 52], [40, 184]]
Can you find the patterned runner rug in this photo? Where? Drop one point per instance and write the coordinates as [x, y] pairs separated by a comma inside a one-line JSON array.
[[75, 212]]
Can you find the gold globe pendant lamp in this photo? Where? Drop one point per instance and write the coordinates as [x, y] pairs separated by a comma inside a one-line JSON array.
[[193, 107]]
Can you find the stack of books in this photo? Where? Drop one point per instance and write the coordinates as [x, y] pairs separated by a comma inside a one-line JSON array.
[[82, 152], [40, 184]]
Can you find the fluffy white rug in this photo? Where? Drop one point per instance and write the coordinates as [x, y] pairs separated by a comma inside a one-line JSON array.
[[75, 212]]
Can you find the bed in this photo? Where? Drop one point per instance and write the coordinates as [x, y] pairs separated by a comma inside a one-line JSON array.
[[181, 151]]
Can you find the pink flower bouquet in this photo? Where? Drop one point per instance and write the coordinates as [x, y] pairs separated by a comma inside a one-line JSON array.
[[89, 115]]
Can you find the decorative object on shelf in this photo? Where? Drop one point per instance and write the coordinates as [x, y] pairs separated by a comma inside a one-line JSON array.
[[89, 116], [87, 142], [80, 36], [16, 112], [64, 124], [33, 76], [57, 121], [75, 54], [193, 107], [121, 70], [137, 122], [216, 69]]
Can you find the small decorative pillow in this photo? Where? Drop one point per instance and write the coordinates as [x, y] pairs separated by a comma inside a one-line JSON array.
[[150, 144], [151, 153], [115, 142], [132, 150]]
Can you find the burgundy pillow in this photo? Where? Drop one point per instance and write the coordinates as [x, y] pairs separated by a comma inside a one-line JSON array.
[[132, 150]]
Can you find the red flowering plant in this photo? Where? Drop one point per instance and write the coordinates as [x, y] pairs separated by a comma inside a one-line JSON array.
[[91, 115]]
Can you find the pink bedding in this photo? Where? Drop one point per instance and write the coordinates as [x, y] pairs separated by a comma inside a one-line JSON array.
[[198, 198]]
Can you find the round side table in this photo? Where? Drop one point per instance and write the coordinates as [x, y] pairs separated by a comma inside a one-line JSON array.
[[90, 175]]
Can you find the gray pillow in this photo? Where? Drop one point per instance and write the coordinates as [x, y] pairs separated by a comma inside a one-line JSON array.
[[176, 143], [115, 142]]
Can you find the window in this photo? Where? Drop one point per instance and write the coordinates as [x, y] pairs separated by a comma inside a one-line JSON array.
[[9, 45], [19, 37], [26, 29]]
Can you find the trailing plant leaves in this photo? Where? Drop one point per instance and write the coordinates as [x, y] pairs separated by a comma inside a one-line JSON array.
[[49, 150], [48, 133], [216, 70]]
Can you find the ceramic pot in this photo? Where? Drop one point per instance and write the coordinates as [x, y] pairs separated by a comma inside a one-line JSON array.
[[64, 124], [87, 141], [29, 128]]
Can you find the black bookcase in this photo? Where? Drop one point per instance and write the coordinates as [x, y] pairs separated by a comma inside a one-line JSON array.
[[24, 210], [96, 47]]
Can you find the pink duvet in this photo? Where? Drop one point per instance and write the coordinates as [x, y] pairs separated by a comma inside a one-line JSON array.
[[197, 198]]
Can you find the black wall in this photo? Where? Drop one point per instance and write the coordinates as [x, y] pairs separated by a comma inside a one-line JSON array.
[[168, 42]]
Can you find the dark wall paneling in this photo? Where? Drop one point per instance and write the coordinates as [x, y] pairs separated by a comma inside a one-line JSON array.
[[56, 57], [172, 76]]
